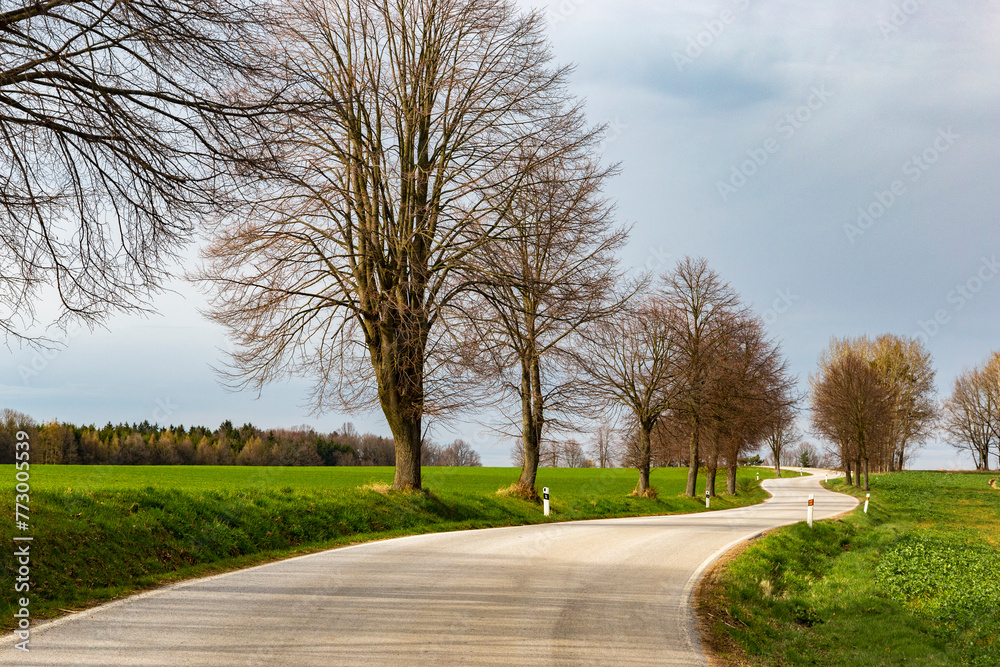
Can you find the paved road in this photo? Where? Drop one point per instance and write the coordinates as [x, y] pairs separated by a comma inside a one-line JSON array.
[[607, 592]]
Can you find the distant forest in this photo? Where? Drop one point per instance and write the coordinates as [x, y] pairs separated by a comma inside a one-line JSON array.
[[151, 444]]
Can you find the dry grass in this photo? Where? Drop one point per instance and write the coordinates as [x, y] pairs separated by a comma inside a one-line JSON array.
[[516, 490], [377, 487], [649, 493]]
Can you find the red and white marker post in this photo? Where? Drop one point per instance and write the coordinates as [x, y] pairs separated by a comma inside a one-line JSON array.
[[809, 512], [867, 498]]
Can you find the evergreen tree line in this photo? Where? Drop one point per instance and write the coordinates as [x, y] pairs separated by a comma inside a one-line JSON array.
[[150, 444]]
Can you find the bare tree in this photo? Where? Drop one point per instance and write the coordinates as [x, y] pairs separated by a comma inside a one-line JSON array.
[[807, 456], [971, 415], [703, 307], [780, 433], [905, 366], [755, 385], [573, 454], [631, 361], [352, 246], [114, 118], [550, 274], [602, 446], [852, 405], [517, 454]]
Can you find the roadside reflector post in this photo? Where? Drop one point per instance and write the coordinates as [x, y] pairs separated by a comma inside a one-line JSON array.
[[809, 512], [867, 498], [758, 476], [545, 500], [708, 497]]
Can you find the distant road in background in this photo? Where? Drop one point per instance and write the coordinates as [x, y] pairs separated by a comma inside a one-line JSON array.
[[606, 592]]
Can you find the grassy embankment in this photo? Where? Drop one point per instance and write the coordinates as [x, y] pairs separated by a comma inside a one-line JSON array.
[[916, 581], [101, 532]]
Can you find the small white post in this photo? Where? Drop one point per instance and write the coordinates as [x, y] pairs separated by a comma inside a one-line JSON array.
[[545, 500], [758, 476], [809, 512], [708, 498], [867, 497]]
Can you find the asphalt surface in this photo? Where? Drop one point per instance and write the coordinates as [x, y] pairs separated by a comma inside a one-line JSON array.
[[606, 592]]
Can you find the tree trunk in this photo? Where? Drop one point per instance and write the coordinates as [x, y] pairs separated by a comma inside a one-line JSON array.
[[847, 472], [777, 468], [642, 488], [731, 478], [710, 472], [406, 433], [857, 472], [399, 374], [531, 427], [867, 488], [692, 480]]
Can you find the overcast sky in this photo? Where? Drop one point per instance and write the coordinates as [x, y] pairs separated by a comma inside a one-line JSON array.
[[836, 162]]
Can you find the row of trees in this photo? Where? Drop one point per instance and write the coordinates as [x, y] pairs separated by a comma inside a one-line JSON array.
[[148, 444], [873, 399], [404, 203], [692, 369], [971, 415]]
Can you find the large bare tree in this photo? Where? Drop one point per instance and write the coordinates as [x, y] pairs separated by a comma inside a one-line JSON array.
[[350, 251], [703, 309], [631, 361], [114, 117], [550, 273]]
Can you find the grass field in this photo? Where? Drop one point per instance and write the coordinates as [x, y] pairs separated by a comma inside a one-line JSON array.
[[101, 532], [914, 582]]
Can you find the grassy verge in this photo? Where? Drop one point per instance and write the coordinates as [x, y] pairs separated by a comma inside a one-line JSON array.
[[916, 581], [101, 532]]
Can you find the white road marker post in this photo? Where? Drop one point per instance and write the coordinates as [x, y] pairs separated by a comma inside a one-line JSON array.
[[809, 512], [708, 497], [545, 500], [867, 497], [758, 476]]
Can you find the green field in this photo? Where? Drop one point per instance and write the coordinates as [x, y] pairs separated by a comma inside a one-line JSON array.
[[101, 532], [914, 582]]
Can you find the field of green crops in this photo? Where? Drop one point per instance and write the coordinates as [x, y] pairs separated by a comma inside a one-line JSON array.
[[101, 532], [914, 582]]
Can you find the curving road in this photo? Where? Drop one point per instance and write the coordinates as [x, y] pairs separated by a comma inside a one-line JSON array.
[[606, 592]]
